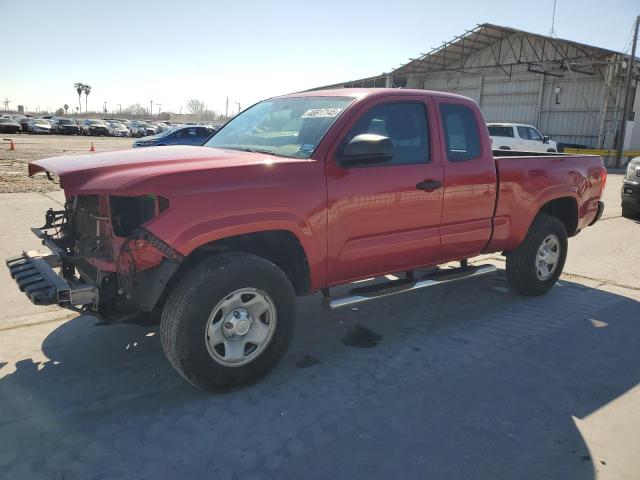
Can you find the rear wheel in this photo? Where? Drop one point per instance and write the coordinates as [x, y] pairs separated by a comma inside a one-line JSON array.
[[228, 321], [534, 267]]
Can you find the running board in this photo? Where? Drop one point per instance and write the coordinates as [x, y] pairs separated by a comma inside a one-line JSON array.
[[372, 292]]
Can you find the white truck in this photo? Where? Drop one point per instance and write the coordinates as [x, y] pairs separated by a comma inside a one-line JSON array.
[[517, 136]]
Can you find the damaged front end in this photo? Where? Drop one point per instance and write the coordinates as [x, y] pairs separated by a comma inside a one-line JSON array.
[[102, 261]]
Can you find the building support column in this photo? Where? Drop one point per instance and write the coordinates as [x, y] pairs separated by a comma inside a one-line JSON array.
[[605, 103], [540, 97], [389, 81]]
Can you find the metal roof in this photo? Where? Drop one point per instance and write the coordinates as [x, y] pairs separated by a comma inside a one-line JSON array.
[[484, 36]]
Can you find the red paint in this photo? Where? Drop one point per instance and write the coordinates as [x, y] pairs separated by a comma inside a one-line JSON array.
[[352, 223]]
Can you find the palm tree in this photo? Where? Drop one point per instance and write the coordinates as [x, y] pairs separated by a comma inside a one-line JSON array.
[[79, 88], [87, 91], [66, 107]]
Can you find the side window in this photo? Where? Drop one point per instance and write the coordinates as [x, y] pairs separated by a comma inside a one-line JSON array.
[[496, 131], [178, 134], [202, 132], [461, 134], [534, 134], [405, 123], [523, 133]]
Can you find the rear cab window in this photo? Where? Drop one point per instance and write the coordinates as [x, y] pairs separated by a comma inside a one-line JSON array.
[[461, 133], [500, 131]]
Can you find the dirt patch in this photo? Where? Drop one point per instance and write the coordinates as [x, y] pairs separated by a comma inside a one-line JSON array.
[[13, 163]]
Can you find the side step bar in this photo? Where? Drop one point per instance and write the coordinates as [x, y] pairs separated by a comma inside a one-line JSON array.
[[365, 294]]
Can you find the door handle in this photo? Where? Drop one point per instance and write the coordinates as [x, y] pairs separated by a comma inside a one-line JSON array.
[[429, 185]]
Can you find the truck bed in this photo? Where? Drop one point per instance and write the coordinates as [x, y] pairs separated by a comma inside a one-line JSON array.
[[527, 180]]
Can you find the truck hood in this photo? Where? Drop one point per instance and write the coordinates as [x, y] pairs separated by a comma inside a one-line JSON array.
[[121, 170]]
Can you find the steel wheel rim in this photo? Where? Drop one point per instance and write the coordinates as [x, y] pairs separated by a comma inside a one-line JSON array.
[[240, 327], [548, 257]]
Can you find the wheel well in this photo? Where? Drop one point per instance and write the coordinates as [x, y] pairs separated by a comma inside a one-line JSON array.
[[278, 246], [565, 209]]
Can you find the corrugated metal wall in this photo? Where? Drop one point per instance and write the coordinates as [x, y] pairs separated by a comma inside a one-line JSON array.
[[516, 95]]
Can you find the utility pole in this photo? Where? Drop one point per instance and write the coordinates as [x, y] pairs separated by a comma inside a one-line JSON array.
[[627, 92], [552, 32], [6, 103], [151, 109], [119, 108], [159, 107], [104, 107], [238, 103], [226, 112]]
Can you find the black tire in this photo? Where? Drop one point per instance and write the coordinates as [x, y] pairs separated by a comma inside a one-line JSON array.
[[185, 317], [628, 212], [521, 263]]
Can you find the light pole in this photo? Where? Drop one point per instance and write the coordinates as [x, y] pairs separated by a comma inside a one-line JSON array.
[[238, 103], [159, 107], [119, 108], [151, 109]]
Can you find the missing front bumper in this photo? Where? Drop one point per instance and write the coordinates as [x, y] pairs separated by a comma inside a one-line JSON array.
[[35, 275]]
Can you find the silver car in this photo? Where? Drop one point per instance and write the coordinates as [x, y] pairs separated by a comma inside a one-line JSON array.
[[38, 125]]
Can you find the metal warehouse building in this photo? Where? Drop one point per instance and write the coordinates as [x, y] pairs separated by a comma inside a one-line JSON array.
[[569, 91]]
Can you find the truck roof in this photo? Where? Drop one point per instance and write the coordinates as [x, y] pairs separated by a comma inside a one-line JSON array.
[[373, 92], [508, 124]]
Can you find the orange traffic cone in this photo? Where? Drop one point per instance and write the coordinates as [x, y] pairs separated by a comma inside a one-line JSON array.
[[92, 149], [12, 145]]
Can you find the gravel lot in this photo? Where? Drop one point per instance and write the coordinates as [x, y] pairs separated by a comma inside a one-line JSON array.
[[466, 381], [13, 164]]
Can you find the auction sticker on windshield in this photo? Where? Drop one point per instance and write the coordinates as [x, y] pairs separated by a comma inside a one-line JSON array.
[[322, 113]]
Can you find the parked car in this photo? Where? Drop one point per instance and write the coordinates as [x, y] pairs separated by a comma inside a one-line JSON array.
[[295, 195], [142, 129], [160, 127], [91, 126], [177, 136], [38, 125], [24, 123], [514, 136], [65, 126], [118, 129], [631, 190], [9, 125]]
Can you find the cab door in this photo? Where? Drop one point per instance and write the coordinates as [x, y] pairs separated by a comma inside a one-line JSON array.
[[531, 139], [385, 217], [470, 179]]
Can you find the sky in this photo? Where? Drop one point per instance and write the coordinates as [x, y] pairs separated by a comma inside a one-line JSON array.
[[171, 51]]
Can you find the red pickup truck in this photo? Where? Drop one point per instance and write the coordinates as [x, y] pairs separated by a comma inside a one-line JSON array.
[[296, 195]]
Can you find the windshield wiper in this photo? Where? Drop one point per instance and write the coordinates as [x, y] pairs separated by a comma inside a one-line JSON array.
[[255, 150]]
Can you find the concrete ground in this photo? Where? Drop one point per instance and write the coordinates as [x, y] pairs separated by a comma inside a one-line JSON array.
[[462, 381]]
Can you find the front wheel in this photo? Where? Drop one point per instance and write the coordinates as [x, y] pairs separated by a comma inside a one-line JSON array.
[[534, 267], [228, 321]]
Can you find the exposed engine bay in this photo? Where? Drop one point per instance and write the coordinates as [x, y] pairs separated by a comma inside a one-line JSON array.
[[102, 250]]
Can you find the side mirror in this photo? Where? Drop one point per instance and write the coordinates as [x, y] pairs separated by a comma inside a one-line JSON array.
[[367, 148], [545, 139]]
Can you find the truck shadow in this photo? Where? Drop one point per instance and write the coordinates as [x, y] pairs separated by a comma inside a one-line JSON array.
[[465, 381]]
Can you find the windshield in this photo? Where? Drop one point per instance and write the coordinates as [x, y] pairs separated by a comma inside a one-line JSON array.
[[41, 122], [287, 127], [97, 122], [66, 121]]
